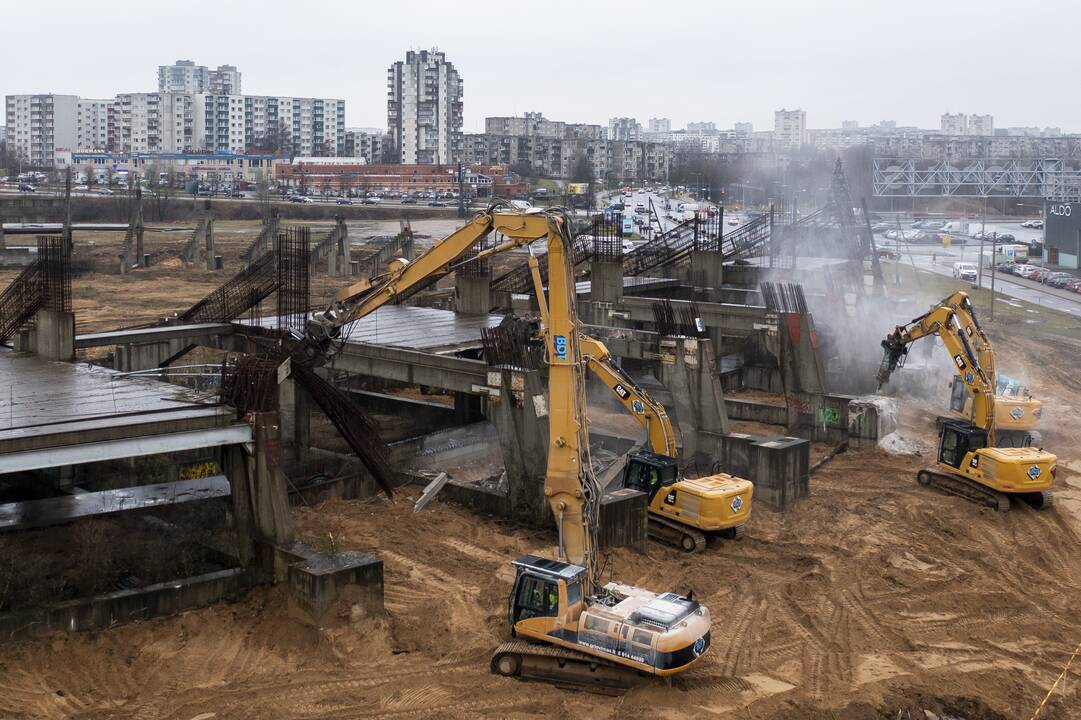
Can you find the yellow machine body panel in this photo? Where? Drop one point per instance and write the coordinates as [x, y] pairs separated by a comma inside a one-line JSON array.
[[711, 503], [1008, 470]]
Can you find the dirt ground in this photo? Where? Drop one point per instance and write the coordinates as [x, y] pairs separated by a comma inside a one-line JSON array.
[[873, 598]]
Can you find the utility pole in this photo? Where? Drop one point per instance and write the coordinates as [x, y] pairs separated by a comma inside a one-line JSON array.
[[983, 232], [994, 239], [461, 191]]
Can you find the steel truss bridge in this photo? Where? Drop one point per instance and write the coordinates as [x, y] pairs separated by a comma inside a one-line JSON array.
[[909, 177]]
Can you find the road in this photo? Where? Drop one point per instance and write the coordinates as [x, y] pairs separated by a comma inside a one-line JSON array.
[[940, 260]]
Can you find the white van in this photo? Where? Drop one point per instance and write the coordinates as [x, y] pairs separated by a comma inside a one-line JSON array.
[[965, 271]]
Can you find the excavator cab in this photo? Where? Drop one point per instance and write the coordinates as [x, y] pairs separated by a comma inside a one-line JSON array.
[[648, 472], [958, 440]]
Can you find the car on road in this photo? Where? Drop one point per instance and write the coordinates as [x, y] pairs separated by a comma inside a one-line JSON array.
[[1072, 285], [881, 227], [436, 203], [965, 271], [344, 201], [236, 194], [733, 221], [1004, 237], [370, 201], [1037, 273], [1033, 224], [107, 191], [301, 199], [409, 201], [27, 187]]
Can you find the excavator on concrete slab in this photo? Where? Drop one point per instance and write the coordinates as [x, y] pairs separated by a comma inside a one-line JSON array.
[[970, 464], [569, 628]]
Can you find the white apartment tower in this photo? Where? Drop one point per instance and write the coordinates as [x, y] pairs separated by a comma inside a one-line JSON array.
[[660, 125], [954, 124], [981, 125], [184, 76], [790, 127], [424, 108], [38, 125]]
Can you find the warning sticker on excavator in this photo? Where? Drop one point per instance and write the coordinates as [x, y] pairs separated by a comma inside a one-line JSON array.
[[737, 503], [560, 343], [638, 407], [1034, 472], [1017, 413], [960, 362]]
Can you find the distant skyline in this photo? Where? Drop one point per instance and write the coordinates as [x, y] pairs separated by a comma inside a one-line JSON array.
[[584, 62]]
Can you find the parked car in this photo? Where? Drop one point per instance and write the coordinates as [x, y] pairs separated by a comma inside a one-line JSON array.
[[409, 201], [1037, 273], [1006, 267], [236, 194], [370, 201], [107, 191], [27, 187], [1073, 285], [301, 199], [1057, 279], [1004, 237], [436, 203], [344, 201]]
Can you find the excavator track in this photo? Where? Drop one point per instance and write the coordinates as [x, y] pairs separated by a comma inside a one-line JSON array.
[[562, 667], [962, 487], [674, 533]]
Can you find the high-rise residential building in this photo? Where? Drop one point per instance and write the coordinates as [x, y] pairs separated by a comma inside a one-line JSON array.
[[744, 129], [660, 125], [225, 80], [424, 108], [790, 127], [92, 124], [624, 128], [40, 125], [850, 124], [184, 76], [981, 125], [954, 124], [702, 128]]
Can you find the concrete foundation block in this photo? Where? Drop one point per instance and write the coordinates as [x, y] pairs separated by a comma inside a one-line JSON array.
[[55, 335], [319, 586], [779, 468]]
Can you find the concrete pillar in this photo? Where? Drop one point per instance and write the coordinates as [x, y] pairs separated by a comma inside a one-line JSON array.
[[208, 236], [295, 419], [472, 294], [520, 416], [238, 467], [803, 373], [707, 270], [269, 499], [689, 373], [55, 331], [605, 292]]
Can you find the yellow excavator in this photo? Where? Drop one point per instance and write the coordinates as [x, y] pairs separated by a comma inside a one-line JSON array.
[[681, 510], [568, 627], [969, 462]]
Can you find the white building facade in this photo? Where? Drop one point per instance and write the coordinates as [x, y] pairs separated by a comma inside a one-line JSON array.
[[790, 128], [424, 108], [40, 125]]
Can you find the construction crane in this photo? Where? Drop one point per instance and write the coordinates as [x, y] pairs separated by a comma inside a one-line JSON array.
[[969, 462], [588, 634]]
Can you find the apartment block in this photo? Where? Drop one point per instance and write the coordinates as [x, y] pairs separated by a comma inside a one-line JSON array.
[[981, 125], [39, 125], [424, 108], [954, 124], [660, 125], [624, 128], [184, 76], [367, 144], [790, 128], [532, 123], [92, 124]]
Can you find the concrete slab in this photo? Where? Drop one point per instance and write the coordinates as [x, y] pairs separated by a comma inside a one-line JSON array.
[[59, 510]]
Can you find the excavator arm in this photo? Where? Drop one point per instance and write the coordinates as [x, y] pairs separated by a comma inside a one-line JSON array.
[[644, 409], [954, 321], [366, 296]]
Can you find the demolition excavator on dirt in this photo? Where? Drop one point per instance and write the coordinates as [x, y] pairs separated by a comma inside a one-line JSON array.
[[569, 628], [969, 462], [681, 510]]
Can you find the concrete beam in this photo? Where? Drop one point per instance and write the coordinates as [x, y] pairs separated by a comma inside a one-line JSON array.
[[154, 334], [415, 367], [730, 319], [126, 448]]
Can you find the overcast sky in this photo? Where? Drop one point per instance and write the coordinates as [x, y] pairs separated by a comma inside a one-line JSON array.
[[584, 60]]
